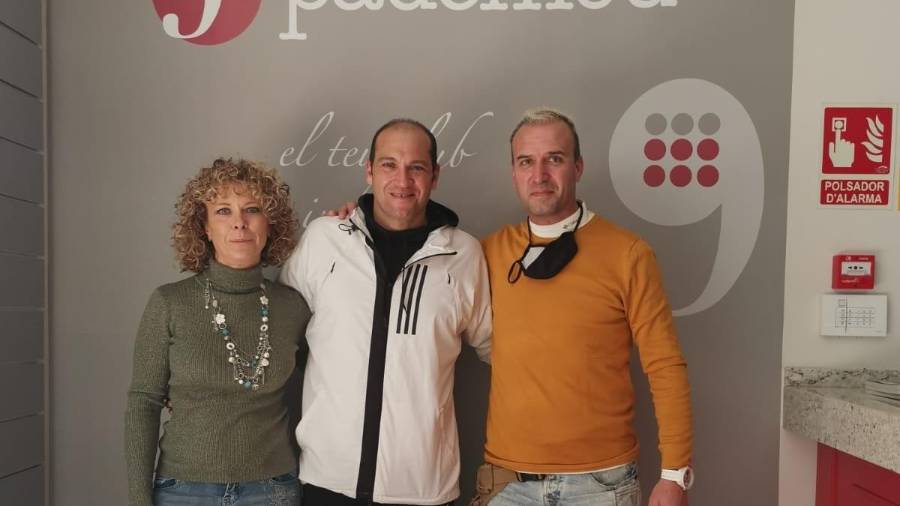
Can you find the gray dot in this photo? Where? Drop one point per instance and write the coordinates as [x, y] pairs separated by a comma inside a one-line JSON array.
[[682, 124], [655, 124], [709, 123]]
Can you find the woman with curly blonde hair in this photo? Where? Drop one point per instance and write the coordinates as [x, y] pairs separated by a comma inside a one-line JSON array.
[[219, 346]]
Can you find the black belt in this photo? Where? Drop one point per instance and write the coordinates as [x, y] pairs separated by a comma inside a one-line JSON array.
[[537, 477], [531, 477]]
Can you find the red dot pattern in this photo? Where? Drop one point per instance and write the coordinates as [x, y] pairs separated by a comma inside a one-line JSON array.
[[654, 176], [680, 176], [708, 149], [655, 149], [681, 150], [707, 176]]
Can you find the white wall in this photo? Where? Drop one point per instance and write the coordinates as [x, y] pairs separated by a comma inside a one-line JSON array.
[[844, 52]]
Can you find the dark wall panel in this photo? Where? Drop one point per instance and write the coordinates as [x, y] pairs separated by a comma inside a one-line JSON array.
[[21, 281], [21, 444], [24, 390], [20, 61], [22, 120], [23, 16], [21, 172], [22, 226], [23, 489], [22, 336]]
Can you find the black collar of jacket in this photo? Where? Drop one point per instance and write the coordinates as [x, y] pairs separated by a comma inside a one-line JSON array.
[[436, 215], [395, 247]]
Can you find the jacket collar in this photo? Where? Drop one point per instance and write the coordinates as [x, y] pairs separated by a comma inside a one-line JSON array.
[[438, 240]]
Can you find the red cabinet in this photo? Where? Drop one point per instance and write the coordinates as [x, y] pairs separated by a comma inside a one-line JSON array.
[[844, 480]]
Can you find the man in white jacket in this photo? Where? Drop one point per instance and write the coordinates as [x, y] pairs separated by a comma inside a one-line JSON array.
[[394, 289]]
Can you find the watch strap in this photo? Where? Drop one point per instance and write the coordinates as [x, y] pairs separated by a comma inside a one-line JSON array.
[[678, 476]]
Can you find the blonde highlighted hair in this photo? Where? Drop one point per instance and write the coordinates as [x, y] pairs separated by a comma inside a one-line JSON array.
[[544, 115]]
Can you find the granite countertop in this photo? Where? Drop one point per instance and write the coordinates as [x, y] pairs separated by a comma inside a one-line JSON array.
[[832, 407]]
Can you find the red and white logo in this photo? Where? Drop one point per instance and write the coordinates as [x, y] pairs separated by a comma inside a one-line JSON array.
[[685, 149], [857, 140], [206, 22]]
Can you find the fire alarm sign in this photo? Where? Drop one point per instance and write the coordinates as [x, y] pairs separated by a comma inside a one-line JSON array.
[[857, 140]]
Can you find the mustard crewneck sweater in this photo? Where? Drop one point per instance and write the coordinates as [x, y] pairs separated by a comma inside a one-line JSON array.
[[561, 395]]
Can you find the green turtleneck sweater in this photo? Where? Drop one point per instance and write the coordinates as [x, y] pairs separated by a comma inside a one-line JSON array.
[[218, 432]]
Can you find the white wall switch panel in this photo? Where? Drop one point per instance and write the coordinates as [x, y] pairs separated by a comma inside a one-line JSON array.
[[854, 315]]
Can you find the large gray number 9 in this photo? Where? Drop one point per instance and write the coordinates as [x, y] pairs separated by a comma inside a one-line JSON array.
[[682, 150]]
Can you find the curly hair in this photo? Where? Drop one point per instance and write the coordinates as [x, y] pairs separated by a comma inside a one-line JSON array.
[[193, 248]]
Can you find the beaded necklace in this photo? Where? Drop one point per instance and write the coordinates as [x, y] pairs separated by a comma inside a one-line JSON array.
[[249, 369]]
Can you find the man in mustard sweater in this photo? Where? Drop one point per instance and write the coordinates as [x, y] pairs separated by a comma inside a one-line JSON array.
[[572, 293]]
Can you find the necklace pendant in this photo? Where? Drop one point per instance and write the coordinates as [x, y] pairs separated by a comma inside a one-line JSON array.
[[206, 294], [249, 368]]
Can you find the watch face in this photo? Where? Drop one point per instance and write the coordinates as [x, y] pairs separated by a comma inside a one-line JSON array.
[[688, 477]]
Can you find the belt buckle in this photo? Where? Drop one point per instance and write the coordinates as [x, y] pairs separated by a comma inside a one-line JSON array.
[[530, 477]]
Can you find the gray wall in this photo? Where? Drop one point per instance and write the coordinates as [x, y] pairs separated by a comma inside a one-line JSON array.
[[22, 254], [135, 113]]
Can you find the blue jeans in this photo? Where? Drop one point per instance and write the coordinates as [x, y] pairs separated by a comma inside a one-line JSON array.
[[615, 487], [281, 490]]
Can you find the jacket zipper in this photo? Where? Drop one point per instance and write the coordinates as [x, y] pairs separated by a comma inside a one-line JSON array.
[[365, 482]]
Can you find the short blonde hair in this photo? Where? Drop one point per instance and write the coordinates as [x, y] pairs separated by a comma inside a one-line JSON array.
[[544, 115], [193, 248]]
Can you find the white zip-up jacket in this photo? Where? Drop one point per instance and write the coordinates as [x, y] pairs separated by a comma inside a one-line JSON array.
[[378, 420]]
